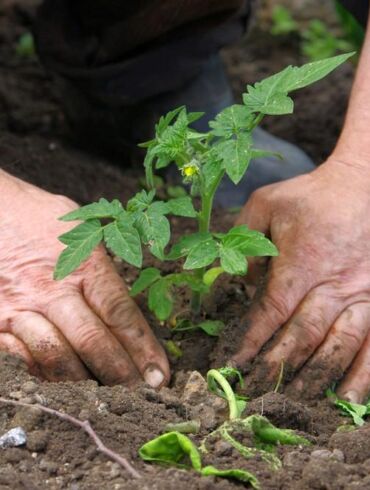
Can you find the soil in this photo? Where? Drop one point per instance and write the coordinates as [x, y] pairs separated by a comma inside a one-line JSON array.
[[57, 455]]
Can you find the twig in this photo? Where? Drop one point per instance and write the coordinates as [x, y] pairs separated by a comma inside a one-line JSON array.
[[84, 425], [280, 377]]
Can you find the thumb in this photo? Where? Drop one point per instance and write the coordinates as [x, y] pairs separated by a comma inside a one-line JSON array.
[[256, 214]]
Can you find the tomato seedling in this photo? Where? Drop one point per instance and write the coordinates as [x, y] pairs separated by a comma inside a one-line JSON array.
[[203, 159]]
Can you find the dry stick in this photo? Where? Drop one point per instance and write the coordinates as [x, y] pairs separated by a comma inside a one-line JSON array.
[[84, 425]]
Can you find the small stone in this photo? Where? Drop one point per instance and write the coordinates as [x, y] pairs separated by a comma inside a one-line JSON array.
[[16, 395], [338, 455], [29, 387], [205, 414], [103, 407], [222, 448], [115, 471], [13, 438], [295, 458], [195, 390]]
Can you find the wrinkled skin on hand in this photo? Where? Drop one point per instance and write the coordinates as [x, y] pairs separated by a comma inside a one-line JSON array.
[[84, 325], [316, 298]]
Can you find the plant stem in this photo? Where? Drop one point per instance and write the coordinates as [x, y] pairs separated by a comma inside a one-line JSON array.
[[204, 220], [228, 391]]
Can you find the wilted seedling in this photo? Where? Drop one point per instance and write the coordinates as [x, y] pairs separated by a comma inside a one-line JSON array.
[[356, 411]]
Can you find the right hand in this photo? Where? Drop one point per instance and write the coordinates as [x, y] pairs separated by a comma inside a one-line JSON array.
[[87, 323]]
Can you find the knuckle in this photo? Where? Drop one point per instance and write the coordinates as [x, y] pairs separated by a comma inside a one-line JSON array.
[[311, 330], [275, 305], [90, 338]]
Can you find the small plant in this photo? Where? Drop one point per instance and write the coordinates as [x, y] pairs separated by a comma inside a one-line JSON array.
[[25, 47], [317, 40], [176, 449], [203, 159], [356, 411]]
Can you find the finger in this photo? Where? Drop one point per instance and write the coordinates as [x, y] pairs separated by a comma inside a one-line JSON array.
[[256, 215], [107, 295], [10, 344], [305, 331], [284, 291], [49, 349], [100, 351], [356, 385], [336, 353]]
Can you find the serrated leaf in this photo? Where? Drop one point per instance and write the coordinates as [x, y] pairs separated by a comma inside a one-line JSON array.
[[194, 116], [270, 95], [172, 140], [154, 230], [231, 121], [182, 206], [140, 201], [212, 327], [80, 242], [250, 243], [201, 254], [160, 299], [124, 241], [95, 210], [235, 155], [212, 169], [146, 278], [176, 191], [233, 261], [186, 243]]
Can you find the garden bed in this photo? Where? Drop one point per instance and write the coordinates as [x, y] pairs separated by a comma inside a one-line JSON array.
[[58, 455]]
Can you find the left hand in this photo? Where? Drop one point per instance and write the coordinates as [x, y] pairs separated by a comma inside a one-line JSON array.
[[317, 295]]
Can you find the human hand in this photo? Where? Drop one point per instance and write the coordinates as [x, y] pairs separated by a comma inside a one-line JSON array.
[[317, 293], [84, 324]]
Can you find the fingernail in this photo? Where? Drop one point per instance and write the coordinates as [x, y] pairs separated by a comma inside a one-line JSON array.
[[352, 396], [153, 376]]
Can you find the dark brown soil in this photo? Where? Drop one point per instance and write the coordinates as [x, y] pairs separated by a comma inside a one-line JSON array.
[[59, 456]]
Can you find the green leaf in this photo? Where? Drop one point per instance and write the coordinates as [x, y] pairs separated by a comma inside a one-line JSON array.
[[188, 279], [354, 410], [231, 121], [270, 96], [233, 261], [182, 206], [236, 155], [172, 140], [186, 243], [100, 209], [160, 299], [268, 433], [80, 242], [212, 327], [146, 278], [124, 241], [194, 116], [250, 243], [140, 201], [172, 448], [212, 169], [202, 254], [154, 230], [234, 474]]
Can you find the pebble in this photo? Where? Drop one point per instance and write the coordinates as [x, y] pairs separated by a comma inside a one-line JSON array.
[[205, 414], [195, 390], [16, 395], [50, 467], [29, 387]]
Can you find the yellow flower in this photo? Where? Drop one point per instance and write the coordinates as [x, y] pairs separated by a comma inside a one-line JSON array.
[[189, 170]]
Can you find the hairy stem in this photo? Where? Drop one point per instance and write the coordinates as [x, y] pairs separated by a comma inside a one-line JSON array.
[[204, 221], [84, 425]]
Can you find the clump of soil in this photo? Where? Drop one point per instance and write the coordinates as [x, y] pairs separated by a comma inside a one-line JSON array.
[[58, 455]]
